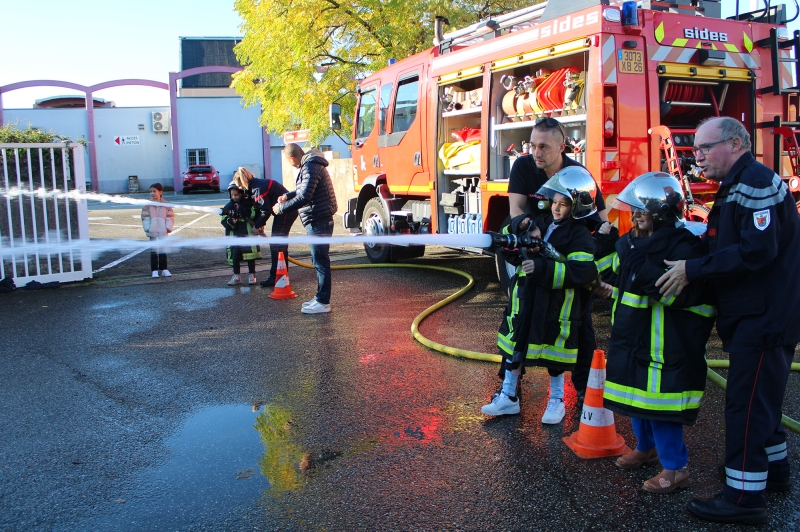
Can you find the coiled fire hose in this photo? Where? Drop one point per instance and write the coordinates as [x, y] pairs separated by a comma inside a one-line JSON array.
[[713, 376]]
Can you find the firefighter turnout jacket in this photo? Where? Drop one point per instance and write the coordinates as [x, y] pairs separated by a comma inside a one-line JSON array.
[[542, 319], [753, 246], [656, 366]]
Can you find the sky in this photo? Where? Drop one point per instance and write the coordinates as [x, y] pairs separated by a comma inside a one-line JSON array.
[[92, 41]]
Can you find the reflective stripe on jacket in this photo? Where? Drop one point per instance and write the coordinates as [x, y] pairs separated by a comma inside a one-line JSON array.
[[656, 366], [543, 314]]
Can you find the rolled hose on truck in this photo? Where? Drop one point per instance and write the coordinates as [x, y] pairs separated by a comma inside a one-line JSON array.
[[713, 376]]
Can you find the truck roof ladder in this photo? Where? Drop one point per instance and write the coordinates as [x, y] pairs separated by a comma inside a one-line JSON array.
[[775, 47], [507, 22], [785, 133]]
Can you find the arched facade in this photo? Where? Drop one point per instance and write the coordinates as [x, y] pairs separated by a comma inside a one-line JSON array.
[[172, 87]]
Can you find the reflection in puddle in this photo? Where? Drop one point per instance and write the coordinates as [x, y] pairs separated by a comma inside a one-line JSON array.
[[285, 464], [428, 427], [212, 470]]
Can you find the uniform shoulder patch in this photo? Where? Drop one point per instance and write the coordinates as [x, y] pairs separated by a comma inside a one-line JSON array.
[[761, 219]]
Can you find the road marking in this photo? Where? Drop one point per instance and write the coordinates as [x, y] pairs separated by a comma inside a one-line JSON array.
[[133, 254], [99, 218], [116, 225]]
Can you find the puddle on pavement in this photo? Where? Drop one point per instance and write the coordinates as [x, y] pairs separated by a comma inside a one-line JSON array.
[[213, 468], [217, 464]]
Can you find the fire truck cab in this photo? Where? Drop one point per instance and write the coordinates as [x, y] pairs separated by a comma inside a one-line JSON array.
[[435, 135]]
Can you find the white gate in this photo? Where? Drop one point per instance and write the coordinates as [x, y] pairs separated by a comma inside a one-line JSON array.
[[40, 232]]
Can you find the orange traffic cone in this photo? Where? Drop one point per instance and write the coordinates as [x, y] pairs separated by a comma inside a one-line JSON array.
[[283, 289], [597, 436]]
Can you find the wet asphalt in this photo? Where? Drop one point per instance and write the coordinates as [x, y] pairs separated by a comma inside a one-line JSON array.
[[183, 404]]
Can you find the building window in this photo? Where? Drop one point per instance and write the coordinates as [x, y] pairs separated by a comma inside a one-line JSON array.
[[325, 147], [196, 156]]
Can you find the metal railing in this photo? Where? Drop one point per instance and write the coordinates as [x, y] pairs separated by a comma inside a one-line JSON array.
[[38, 229]]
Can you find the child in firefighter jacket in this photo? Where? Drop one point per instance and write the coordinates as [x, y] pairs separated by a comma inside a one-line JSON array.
[[238, 217], [656, 369], [541, 323]]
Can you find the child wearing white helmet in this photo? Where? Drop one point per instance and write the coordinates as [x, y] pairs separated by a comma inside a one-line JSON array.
[[541, 323]]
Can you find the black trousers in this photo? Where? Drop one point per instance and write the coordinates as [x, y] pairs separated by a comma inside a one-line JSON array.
[[587, 343], [755, 442], [281, 224], [158, 259], [237, 258]]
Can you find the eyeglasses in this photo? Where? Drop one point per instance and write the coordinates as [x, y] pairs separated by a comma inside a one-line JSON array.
[[705, 148], [550, 123]]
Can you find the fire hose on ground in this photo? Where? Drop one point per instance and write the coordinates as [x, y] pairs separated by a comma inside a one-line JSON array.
[[500, 240]]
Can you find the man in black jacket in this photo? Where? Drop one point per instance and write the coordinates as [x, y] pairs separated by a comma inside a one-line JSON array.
[[752, 247], [265, 193], [315, 200]]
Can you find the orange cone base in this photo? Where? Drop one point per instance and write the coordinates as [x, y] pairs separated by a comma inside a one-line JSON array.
[[290, 295], [588, 451]]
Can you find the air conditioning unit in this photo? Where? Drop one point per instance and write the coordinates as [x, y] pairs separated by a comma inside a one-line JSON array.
[[161, 121]]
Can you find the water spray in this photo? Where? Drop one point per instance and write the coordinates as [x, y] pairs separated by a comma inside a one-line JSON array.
[[77, 195], [96, 247]]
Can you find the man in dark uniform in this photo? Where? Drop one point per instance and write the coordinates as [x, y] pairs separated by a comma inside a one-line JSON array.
[[753, 251], [528, 174]]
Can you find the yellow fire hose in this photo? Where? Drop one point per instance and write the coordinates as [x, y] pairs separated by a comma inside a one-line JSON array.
[[713, 376]]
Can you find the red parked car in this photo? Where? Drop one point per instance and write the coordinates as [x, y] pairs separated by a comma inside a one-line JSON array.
[[200, 176]]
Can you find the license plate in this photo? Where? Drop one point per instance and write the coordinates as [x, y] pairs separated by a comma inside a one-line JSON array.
[[630, 61], [201, 178]]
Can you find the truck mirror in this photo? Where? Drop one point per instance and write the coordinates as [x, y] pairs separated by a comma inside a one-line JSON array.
[[335, 113]]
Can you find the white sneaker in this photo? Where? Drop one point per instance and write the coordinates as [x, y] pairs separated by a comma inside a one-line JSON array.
[[309, 303], [165, 273], [251, 279], [155, 274], [554, 412], [316, 308], [501, 405], [236, 279]]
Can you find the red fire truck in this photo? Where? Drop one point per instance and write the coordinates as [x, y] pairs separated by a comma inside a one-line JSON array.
[[435, 135]]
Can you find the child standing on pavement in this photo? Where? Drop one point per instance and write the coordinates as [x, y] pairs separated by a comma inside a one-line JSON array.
[[656, 368], [541, 323], [157, 223], [238, 219]]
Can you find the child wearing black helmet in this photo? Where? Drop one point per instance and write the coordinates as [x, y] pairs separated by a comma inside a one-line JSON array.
[[238, 217]]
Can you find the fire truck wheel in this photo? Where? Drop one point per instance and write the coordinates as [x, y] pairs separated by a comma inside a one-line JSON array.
[[376, 222]]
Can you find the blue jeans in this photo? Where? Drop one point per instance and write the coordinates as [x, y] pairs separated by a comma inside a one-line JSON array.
[[321, 259], [666, 437]]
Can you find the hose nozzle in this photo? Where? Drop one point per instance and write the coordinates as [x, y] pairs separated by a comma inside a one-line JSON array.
[[526, 241]]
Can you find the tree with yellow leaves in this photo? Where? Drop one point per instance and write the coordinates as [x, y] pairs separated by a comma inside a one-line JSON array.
[[301, 55]]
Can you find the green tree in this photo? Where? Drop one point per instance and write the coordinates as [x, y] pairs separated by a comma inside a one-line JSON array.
[[301, 55]]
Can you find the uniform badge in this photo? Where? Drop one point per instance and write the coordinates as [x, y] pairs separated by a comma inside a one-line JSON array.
[[761, 219]]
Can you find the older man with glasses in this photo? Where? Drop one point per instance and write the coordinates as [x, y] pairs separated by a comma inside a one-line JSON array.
[[529, 173], [752, 246]]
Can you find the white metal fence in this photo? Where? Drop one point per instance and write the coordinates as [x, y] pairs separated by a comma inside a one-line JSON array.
[[34, 226]]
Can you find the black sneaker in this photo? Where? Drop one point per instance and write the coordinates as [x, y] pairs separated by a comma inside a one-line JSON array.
[[269, 281]]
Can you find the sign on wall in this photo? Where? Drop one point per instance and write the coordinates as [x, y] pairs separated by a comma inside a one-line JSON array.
[[127, 140], [297, 136]]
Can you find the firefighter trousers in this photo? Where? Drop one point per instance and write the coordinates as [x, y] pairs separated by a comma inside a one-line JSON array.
[[587, 343], [755, 442]]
